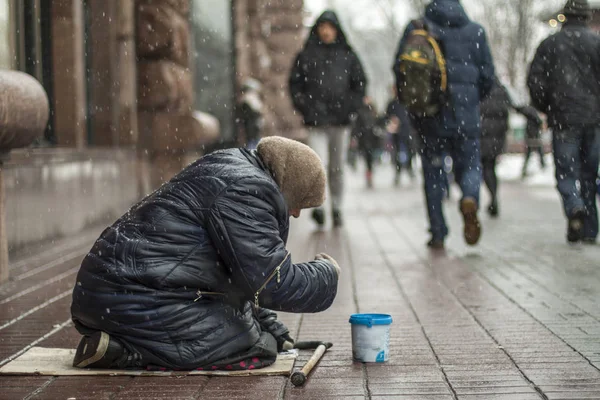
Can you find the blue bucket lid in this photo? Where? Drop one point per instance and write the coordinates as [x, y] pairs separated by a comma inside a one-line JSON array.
[[370, 319]]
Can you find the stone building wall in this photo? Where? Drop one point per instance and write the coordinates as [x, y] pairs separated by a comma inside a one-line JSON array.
[[168, 126], [269, 34]]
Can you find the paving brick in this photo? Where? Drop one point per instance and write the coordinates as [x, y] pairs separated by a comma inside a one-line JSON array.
[[84, 388], [18, 387]]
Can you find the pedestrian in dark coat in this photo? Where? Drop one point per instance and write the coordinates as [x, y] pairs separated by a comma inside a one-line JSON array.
[[564, 83], [455, 131], [366, 129], [327, 85], [494, 126], [403, 137], [187, 277], [250, 110], [533, 136]]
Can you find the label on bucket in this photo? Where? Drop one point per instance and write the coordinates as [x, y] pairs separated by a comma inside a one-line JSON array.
[[370, 344]]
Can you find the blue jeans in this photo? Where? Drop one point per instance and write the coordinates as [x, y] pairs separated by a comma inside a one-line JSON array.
[[465, 153], [576, 158]]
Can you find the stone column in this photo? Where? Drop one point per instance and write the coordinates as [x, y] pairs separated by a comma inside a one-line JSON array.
[[23, 117], [69, 77], [127, 96], [112, 75], [168, 126], [269, 34]]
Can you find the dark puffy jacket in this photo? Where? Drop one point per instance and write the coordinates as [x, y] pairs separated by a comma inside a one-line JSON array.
[[176, 276], [564, 77], [366, 128], [494, 121], [327, 82], [468, 62]]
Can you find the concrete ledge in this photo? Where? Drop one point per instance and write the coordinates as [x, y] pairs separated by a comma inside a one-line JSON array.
[[52, 193]]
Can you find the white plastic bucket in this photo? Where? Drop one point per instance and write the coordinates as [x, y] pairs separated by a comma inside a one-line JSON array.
[[371, 337]]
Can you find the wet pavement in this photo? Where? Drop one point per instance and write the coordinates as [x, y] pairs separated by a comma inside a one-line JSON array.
[[517, 317]]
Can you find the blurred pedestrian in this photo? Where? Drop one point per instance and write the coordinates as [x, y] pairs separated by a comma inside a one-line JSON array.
[[366, 130], [564, 83], [400, 129], [250, 112], [495, 111], [449, 123], [327, 84], [533, 136]]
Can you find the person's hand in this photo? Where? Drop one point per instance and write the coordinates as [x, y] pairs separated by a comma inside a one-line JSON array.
[[327, 257]]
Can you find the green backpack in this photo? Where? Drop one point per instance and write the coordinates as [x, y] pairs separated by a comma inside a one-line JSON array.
[[422, 78]]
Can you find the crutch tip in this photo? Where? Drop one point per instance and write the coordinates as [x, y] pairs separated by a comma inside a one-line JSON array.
[[298, 378]]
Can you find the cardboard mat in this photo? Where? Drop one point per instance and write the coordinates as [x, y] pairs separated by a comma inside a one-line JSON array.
[[57, 362]]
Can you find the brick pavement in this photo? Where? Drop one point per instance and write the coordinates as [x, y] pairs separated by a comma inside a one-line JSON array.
[[517, 317]]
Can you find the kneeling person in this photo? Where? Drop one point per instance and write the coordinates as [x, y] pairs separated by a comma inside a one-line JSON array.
[[187, 278]]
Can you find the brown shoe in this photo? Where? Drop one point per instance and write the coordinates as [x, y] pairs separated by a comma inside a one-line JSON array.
[[472, 232]]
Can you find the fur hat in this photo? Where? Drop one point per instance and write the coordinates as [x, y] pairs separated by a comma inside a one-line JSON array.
[[577, 8], [297, 169]]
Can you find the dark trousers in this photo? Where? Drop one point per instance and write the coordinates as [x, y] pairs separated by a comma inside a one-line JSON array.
[[403, 156], [530, 149], [369, 158], [466, 158], [576, 157], [489, 176]]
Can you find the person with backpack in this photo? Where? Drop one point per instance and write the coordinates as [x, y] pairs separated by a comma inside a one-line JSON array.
[[533, 139], [443, 68], [564, 83], [327, 85], [494, 126]]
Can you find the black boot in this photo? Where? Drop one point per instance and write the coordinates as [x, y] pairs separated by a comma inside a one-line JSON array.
[[436, 244], [575, 226], [493, 209], [318, 215], [99, 350]]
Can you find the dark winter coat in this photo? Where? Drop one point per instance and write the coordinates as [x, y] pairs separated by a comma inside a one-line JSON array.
[[366, 128], [495, 111], [469, 66], [176, 276], [534, 123], [564, 78], [327, 82]]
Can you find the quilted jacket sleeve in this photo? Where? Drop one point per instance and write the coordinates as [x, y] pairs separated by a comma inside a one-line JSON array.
[[243, 225], [297, 84], [538, 79]]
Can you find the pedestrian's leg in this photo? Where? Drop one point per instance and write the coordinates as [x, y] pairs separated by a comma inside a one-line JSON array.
[[369, 160], [589, 174], [467, 167], [567, 160], [526, 161], [338, 141], [433, 181], [541, 153], [318, 141], [491, 181]]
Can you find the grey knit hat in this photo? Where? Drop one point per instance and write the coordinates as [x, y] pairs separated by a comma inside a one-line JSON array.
[[577, 8], [297, 169]]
